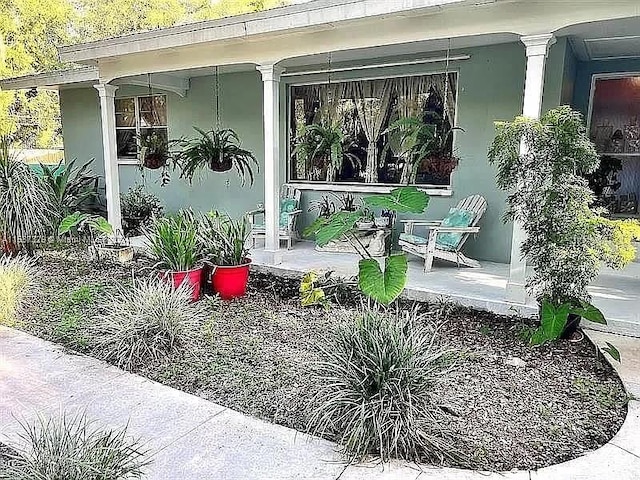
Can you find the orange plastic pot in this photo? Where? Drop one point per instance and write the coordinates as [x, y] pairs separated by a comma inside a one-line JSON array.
[[191, 278], [231, 282]]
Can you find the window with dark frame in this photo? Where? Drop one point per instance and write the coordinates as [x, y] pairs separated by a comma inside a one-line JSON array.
[[361, 112], [139, 117]]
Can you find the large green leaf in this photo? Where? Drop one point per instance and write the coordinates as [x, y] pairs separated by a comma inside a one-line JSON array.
[[613, 351], [334, 227], [383, 287], [552, 323], [71, 221], [402, 200], [101, 225], [589, 312]]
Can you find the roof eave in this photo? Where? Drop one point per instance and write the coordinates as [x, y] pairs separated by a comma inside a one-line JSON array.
[[51, 80]]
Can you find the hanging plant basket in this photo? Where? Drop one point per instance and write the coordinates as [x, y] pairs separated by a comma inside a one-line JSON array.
[[154, 161], [220, 165]]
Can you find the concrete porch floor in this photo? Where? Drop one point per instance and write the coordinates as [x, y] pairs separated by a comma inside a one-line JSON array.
[[616, 293]]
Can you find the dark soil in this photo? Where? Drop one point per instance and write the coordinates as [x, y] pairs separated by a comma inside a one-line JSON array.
[[513, 405]]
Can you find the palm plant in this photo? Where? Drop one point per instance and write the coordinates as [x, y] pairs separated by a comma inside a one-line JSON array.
[[224, 239], [173, 242], [324, 144], [72, 188], [25, 205], [413, 140], [218, 149]]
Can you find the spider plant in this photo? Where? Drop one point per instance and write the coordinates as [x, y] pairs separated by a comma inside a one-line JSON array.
[[25, 205], [224, 239], [218, 149], [173, 242], [323, 144]]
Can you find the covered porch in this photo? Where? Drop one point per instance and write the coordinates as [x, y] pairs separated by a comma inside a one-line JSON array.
[[614, 292]]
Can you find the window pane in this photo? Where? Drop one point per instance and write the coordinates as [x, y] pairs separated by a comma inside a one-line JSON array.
[[153, 111], [125, 105], [126, 143], [125, 120]]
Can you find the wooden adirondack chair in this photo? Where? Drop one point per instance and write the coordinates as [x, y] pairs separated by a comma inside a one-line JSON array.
[[431, 247], [289, 211]]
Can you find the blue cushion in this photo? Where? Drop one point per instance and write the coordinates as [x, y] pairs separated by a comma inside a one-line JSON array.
[[456, 218], [414, 239], [287, 206]]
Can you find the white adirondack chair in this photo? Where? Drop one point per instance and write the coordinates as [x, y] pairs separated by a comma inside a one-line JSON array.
[[428, 247], [289, 211]]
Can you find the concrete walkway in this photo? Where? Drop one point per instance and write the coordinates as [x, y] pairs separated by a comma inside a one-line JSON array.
[[193, 439]]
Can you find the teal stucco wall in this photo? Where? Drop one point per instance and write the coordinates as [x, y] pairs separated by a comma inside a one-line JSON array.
[[490, 88]]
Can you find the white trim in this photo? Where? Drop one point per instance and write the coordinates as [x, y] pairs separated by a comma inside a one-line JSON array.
[[367, 188], [377, 65], [339, 79], [592, 91]]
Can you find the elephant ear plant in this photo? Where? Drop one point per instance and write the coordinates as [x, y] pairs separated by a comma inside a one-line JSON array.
[[383, 286], [567, 241]]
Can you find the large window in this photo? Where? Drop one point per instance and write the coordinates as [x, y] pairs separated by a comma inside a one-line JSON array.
[[615, 129], [136, 118], [383, 131]]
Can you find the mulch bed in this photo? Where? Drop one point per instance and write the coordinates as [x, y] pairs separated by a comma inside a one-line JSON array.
[[514, 406]]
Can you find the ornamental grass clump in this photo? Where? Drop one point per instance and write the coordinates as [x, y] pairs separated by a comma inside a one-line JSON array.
[[17, 282], [145, 323], [378, 377], [173, 242], [72, 448]]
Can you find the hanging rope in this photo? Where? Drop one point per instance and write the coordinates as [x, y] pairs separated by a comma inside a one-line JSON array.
[[217, 98]]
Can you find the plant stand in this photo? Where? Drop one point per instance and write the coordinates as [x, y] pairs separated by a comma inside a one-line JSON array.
[[376, 241]]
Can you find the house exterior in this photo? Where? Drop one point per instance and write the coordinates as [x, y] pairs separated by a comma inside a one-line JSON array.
[[497, 59]]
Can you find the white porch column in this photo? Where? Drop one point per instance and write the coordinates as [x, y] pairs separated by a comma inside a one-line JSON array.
[[111, 176], [271, 120], [537, 48]]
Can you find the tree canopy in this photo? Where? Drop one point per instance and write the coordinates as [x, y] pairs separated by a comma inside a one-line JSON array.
[[30, 31]]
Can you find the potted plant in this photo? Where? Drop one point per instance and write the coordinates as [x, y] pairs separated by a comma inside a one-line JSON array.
[[139, 209], [224, 242], [154, 150], [105, 242], [218, 149], [173, 243], [422, 146], [322, 150], [367, 221], [567, 241]]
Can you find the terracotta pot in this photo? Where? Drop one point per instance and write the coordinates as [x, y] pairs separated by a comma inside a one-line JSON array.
[[191, 278], [231, 282], [153, 161]]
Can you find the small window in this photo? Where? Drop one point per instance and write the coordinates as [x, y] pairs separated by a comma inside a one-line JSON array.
[[139, 117]]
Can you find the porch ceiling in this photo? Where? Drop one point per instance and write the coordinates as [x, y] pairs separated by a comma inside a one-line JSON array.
[[606, 40]]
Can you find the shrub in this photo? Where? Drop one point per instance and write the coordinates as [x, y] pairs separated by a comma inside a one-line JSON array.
[[173, 242], [71, 448], [17, 281], [145, 323], [378, 377], [139, 209], [25, 205]]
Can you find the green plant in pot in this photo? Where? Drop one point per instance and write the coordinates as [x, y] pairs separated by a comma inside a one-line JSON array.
[[139, 209], [321, 145], [173, 243], [154, 150], [105, 242], [218, 149], [421, 144], [567, 241], [224, 242]]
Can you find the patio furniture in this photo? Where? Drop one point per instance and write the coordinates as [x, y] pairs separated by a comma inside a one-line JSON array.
[[446, 237], [289, 211]]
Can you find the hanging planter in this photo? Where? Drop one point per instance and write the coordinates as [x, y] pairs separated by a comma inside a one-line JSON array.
[[154, 151], [219, 150]]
